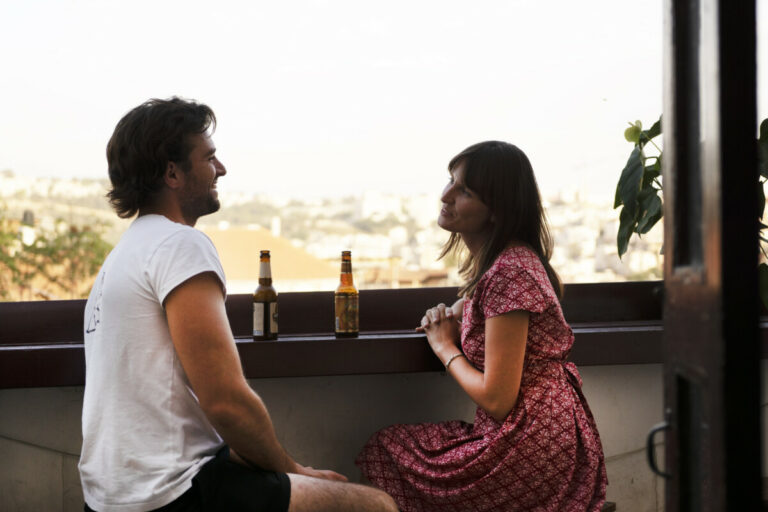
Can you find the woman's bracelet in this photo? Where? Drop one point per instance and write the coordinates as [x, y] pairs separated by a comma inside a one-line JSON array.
[[450, 360]]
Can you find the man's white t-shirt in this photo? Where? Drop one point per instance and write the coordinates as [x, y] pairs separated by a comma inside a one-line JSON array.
[[144, 434]]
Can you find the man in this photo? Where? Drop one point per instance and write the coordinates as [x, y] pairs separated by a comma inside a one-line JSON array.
[[169, 421]]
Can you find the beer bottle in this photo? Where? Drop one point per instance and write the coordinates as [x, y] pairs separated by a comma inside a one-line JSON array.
[[265, 303], [346, 299]]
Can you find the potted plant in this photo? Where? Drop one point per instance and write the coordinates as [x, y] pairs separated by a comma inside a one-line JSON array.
[[639, 190]]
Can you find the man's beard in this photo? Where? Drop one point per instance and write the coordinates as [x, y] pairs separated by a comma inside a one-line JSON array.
[[194, 208]]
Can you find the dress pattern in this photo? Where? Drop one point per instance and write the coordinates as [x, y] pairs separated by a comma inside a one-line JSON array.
[[545, 456]]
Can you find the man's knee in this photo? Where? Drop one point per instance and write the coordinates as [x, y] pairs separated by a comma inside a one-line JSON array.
[[312, 494]]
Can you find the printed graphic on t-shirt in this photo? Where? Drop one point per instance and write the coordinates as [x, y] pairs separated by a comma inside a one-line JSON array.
[[96, 313]]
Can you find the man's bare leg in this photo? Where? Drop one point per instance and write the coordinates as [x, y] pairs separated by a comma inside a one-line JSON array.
[[318, 495]]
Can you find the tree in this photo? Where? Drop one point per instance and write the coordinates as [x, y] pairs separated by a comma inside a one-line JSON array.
[[9, 245], [69, 256], [59, 263]]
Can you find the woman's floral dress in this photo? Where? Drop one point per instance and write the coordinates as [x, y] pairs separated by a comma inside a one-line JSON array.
[[545, 456]]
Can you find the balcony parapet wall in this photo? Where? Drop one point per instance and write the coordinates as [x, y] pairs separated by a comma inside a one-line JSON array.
[[41, 343]]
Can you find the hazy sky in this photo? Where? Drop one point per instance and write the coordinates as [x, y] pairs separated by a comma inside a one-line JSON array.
[[327, 97]]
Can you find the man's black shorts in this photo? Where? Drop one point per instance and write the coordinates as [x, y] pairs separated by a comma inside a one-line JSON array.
[[223, 485]]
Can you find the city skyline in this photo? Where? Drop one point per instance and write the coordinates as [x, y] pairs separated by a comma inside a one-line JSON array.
[[395, 239]]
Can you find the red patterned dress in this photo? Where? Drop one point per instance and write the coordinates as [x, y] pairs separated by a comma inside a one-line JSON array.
[[545, 456]]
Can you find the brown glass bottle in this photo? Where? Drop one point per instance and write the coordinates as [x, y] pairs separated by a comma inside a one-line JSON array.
[[347, 301], [265, 302]]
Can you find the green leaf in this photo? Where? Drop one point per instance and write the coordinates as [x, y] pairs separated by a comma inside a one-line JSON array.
[[650, 133], [630, 180], [655, 129], [651, 213], [762, 273], [617, 198], [762, 146], [626, 228], [651, 173]]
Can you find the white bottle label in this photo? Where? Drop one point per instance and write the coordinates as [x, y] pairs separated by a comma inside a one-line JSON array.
[[258, 319]]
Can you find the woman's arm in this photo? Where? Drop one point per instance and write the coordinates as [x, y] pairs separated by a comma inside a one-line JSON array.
[[495, 389]]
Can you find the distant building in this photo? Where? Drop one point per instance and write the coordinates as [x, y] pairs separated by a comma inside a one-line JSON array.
[[395, 240], [293, 269], [376, 206]]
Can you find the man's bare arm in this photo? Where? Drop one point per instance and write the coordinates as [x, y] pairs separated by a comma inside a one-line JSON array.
[[205, 345]]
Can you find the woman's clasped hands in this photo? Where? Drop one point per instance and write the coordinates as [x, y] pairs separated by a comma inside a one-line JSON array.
[[442, 325]]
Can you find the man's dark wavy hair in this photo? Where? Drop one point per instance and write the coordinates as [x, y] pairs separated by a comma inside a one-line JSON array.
[[144, 141]]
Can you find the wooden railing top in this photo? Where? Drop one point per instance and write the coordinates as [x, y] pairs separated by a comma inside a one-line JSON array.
[[614, 323], [55, 322]]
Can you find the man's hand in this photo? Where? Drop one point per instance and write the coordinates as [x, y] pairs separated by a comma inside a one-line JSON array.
[[325, 474]]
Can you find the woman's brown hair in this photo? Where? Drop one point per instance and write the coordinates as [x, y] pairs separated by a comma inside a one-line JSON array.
[[502, 177]]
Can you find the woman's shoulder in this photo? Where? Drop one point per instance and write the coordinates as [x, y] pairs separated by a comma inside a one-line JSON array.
[[519, 257], [517, 280], [516, 263]]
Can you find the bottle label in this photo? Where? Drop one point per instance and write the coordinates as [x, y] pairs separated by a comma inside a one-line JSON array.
[[260, 319], [347, 313], [273, 317]]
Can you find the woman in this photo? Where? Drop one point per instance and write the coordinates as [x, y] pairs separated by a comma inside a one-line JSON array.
[[534, 444]]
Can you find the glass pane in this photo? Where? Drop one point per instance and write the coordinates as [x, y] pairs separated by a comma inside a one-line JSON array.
[[694, 46], [336, 123]]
